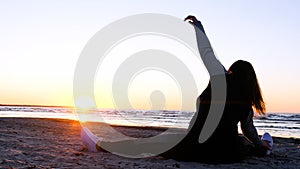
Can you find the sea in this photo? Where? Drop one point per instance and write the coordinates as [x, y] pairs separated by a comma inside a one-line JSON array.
[[276, 123]]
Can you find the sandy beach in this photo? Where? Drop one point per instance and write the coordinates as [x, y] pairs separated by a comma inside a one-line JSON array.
[[56, 143]]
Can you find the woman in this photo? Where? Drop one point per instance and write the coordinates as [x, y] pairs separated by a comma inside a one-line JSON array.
[[225, 144], [243, 92]]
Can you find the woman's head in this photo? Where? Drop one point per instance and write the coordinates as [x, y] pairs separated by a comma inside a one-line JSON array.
[[244, 73]]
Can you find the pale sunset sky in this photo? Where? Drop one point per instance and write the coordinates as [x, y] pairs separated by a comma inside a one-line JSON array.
[[42, 40]]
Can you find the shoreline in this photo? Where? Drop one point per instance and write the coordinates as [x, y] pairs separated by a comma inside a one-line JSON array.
[[56, 143], [158, 128]]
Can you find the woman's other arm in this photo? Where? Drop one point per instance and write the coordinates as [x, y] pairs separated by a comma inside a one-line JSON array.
[[249, 129]]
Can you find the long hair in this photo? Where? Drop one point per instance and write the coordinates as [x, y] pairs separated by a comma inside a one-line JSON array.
[[243, 72]]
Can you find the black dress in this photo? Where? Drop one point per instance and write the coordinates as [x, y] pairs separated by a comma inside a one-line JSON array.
[[223, 146]]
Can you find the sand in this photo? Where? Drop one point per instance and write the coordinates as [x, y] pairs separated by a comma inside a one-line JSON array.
[[56, 143]]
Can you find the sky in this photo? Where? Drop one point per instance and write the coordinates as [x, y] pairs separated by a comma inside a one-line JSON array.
[[41, 42]]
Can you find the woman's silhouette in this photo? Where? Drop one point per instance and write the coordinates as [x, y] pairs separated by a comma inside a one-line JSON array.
[[243, 93]]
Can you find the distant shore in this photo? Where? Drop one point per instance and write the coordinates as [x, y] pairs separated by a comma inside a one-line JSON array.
[[56, 143], [26, 105]]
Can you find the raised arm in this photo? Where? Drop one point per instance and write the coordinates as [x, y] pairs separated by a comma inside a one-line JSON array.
[[212, 64]]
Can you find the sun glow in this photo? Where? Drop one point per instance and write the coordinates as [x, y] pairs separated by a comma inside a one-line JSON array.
[[84, 104]]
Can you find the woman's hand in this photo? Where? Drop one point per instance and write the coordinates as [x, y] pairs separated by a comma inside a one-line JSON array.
[[191, 19], [194, 21], [266, 144]]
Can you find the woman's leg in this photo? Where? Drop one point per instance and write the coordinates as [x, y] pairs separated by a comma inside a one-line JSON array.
[[139, 147], [131, 147], [95, 143]]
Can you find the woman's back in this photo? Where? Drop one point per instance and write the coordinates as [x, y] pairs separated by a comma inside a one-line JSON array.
[[223, 141], [222, 145]]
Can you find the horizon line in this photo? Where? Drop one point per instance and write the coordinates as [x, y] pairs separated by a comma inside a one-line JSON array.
[[35, 105]]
